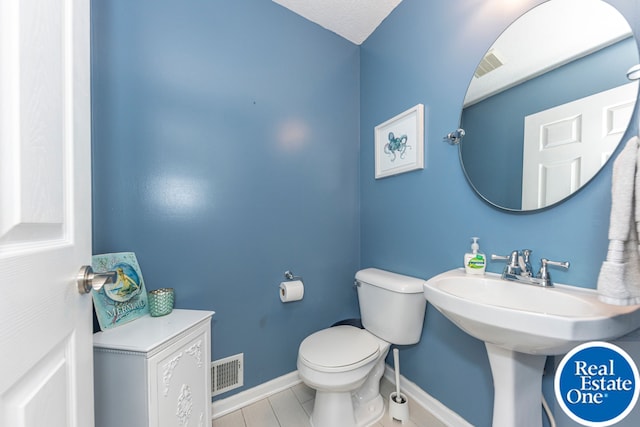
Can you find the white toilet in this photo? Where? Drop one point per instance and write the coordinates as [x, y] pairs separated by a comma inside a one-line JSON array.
[[344, 364]]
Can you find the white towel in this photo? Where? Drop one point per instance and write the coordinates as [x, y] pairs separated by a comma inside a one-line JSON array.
[[619, 279]]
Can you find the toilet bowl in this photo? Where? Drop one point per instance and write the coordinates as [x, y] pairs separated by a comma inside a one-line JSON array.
[[344, 364]]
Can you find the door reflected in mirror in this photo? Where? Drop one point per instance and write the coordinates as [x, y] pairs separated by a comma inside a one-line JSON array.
[[548, 104]]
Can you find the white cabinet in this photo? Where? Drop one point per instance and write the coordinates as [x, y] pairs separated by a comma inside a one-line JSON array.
[[154, 371]]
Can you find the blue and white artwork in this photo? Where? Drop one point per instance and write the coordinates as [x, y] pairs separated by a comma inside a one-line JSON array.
[[396, 146], [399, 143], [125, 299]]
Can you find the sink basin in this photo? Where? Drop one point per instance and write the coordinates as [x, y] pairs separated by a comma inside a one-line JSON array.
[[521, 324], [527, 318]]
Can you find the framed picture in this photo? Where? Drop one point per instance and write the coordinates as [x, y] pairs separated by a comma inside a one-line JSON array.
[[399, 143], [123, 300]]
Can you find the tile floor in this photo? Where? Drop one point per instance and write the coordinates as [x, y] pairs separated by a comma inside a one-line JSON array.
[[291, 408]]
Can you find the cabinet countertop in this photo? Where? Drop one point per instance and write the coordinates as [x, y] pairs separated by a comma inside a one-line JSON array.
[[147, 333]]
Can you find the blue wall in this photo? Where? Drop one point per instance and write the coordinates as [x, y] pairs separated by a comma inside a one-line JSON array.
[[225, 152], [426, 52], [500, 118]]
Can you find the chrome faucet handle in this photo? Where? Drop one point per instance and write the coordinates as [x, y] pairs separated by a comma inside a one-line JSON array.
[[513, 262], [544, 275]]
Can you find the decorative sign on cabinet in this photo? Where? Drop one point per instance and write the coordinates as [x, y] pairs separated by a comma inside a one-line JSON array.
[[154, 371]]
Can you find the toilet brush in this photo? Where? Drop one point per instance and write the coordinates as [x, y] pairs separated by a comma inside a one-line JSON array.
[[396, 364], [398, 404]]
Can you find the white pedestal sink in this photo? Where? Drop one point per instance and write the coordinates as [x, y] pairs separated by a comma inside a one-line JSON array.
[[522, 324]]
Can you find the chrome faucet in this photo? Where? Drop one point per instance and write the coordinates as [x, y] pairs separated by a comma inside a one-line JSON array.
[[525, 262], [544, 276], [513, 263], [518, 268]]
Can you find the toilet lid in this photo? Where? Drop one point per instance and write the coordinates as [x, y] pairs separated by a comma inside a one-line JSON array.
[[339, 347]]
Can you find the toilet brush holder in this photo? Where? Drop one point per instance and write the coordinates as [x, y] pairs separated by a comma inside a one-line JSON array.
[[398, 407], [398, 403]]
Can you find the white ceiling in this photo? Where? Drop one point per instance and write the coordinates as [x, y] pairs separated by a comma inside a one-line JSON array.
[[354, 20], [585, 25]]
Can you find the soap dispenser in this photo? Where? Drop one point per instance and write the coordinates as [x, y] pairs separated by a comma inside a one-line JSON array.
[[475, 262]]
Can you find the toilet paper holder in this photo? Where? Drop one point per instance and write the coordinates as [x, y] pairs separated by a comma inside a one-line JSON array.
[[290, 276]]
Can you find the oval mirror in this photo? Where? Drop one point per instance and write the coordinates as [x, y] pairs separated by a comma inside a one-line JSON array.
[[548, 104]]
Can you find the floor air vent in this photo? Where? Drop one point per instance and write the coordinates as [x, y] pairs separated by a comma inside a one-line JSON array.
[[227, 374]]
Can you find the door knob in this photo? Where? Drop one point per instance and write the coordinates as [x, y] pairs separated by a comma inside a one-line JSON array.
[[88, 280]]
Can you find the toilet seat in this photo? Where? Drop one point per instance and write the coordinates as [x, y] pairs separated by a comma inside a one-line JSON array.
[[340, 348]]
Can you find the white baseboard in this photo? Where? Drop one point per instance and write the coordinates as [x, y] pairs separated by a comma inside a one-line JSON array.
[[428, 402], [237, 401], [232, 403]]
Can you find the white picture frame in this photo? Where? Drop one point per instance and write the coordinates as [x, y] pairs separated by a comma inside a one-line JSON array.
[[399, 143]]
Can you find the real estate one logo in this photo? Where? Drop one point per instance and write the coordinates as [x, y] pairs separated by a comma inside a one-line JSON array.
[[596, 384]]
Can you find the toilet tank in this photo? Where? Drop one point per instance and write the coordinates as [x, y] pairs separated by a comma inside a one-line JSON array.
[[392, 305]]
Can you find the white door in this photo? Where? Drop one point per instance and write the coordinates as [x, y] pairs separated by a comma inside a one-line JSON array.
[[566, 145], [46, 363]]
